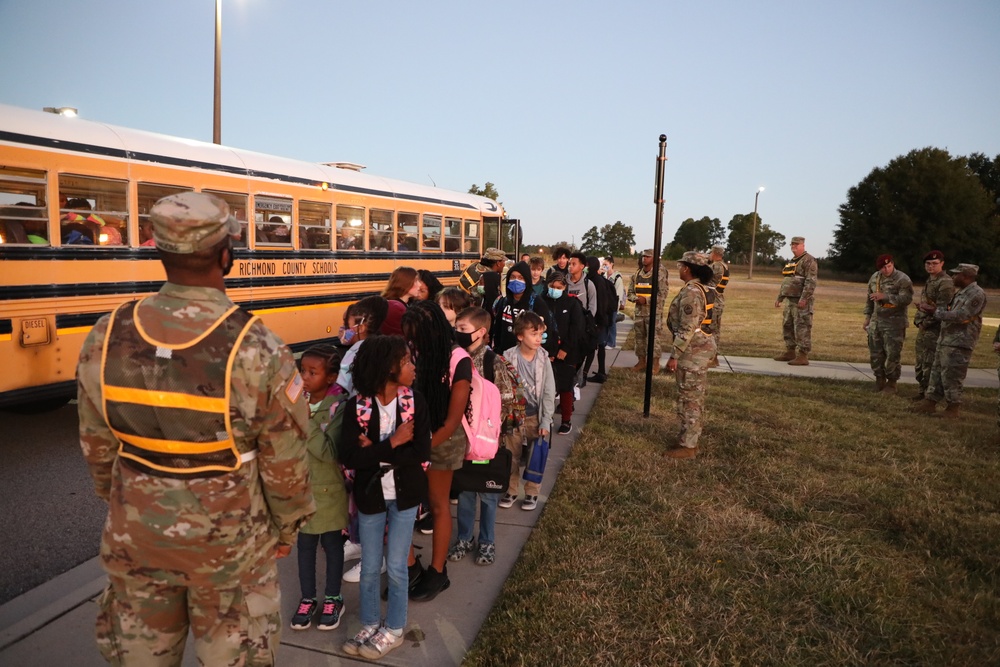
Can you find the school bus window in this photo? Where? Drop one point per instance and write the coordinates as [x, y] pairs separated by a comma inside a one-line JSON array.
[[380, 236], [432, 233], [23, 216], [273, 221], [314, 225], [149, 194], [452, 235], [350, 228], [95, 213], [407, 229], [472, 236], [238, 209]]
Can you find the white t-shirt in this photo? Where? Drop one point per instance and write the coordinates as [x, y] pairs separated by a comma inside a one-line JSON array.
[[386, 427]]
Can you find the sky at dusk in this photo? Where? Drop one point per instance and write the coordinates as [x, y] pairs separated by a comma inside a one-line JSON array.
[[560, 104]]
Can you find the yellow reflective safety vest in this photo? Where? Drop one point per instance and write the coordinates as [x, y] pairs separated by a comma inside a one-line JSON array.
[[168, 404], [470, 277], [724, 280], [790, 267], [643, 285], [706, 324]]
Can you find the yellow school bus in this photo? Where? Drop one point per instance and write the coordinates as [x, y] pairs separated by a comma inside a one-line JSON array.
[[76, 240]]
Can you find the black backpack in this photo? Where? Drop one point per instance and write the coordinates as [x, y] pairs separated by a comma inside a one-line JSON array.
[[607, 301], [591, 337]]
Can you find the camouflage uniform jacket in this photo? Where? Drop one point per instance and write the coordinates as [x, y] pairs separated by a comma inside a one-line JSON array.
[[685, 317], [213, 529], [938, 289], [505, 377], [719, 270], [800, 283], [641, 276], [962, 318], [898, 291]]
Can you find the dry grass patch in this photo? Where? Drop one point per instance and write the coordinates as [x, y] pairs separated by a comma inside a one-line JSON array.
[[820, 525]]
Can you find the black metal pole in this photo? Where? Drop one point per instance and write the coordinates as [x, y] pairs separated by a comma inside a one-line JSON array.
[[651, 361]]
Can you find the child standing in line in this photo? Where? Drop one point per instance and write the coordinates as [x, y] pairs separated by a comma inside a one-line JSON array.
[[386, 437], [538, 284], [537, 383], [472, 330], [319, 367], [453, 300]]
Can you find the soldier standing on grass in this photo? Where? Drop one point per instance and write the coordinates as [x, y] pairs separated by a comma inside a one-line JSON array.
[[996, 348], [797, 290], [938, 289], [889, 293], [690, 320], [640, 292], [961, 324], [720, 279], [193, 424]]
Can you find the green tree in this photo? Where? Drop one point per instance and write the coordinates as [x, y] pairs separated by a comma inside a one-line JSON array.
[[618, 239], [699, 234], [922, 200], [489, 190], [592, 243], [767, 242]]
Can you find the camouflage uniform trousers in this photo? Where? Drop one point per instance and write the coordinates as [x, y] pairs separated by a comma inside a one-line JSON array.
[[951, 364], [886, 336], [519, 442], [717, 309], [796, 325], [641, 330], [692, 378], [144, 621], [926, 347]]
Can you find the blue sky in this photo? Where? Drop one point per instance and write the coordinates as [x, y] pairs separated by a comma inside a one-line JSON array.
[[560, 104]]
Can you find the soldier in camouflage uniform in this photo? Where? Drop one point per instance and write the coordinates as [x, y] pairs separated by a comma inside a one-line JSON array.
[[889, 293], [206, 480], [797, 290], [720, 280], [961, 324], [690, 320], [640, 293], [938, 289], [996, 348]]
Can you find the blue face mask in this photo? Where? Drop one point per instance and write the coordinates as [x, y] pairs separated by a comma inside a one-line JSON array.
[[555, 293], [516, 286]]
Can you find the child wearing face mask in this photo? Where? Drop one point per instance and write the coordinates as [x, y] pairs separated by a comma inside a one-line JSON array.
[[519, 298], [567, 312], [471, 332]]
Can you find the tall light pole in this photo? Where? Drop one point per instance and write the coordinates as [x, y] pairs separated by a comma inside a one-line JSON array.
[[753, 231], [217, 117]]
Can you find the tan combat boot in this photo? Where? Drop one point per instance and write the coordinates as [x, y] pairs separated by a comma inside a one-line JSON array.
[[679, 452], [787, 356], [951, 412], [714, 363], [879, 384], [890, 387], [801, 359], [639, 366], [926, 406]]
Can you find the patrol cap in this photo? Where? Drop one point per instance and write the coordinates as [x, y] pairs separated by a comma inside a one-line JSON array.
[[648, 252], [494, 255], [971, 270], [934, 254], [694, 258], [188, 222], [798, 239], [721, 249], [882, 260]]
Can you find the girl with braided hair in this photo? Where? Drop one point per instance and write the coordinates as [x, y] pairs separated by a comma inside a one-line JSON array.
[[432, 342]]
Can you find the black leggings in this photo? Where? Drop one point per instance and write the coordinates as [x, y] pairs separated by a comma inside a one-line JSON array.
[[601, 356], [333, 546]]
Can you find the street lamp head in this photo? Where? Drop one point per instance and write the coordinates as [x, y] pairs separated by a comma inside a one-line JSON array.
[[69, 112], [760, 189]]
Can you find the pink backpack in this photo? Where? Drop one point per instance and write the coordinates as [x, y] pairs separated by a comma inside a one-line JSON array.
[[482, 420]]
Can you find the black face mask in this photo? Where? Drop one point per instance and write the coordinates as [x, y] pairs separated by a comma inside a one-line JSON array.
[[463, 339], [229, 262]]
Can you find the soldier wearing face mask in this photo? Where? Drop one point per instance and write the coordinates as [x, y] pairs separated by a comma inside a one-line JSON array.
[[518, 299]]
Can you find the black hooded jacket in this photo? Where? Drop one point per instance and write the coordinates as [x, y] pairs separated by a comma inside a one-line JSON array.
[[509, 306]]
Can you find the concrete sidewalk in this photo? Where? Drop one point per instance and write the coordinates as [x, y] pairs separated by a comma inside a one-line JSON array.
[[54, 623]]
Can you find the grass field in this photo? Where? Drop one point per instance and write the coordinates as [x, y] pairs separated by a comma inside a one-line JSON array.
[[821, 524]]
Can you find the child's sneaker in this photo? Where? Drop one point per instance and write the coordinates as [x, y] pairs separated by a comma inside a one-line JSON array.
[[303, 615], [352, 550], [487, 554], [353, 646], [329, 618], [353, 575], [380, 643], [506, 501], [459, 549], [565, 428], [529, 503]]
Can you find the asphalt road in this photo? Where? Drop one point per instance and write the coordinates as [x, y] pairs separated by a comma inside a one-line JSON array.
[[51, 519]]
